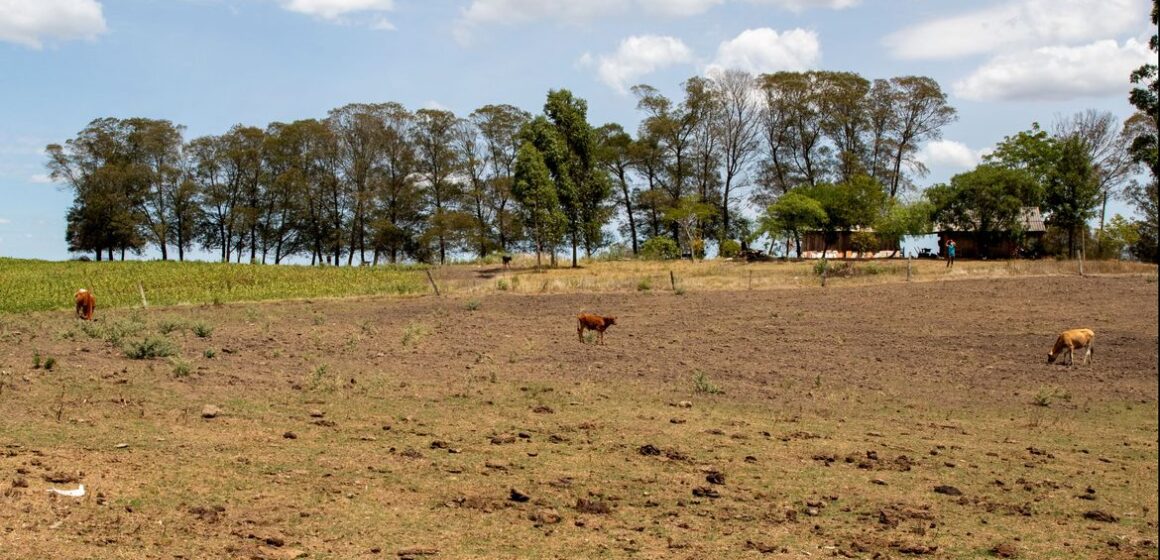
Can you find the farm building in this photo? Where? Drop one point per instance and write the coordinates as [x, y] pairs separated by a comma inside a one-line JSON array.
[[845, 245], [996, 244]]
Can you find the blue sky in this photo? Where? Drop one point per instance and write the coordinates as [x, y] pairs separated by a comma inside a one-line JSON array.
[[210, 64]]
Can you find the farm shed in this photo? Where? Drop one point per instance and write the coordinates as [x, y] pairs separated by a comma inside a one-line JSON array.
[[997, 244]]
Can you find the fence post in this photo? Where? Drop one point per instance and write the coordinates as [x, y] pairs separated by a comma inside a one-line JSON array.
[[673, 280], [824, 268], [908, 268], [433, 284]]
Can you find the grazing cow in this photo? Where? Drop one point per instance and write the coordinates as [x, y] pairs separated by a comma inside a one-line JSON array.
[[1070, 341], [86, 303], [507, 261], [593, 323]]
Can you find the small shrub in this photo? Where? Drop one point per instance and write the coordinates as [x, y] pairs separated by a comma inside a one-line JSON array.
[[644, 285], [729, 249], [660, 248], [202, 330], [49, 363], [473, 305], [209, 353], [181, 368], [166, 326], [413, 333], [680, 291], [501, 285], [150, 347], [702, 385], [36, 360]]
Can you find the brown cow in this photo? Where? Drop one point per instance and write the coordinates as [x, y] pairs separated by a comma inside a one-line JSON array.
[[593, 323], [86, 304], [1070, 341]]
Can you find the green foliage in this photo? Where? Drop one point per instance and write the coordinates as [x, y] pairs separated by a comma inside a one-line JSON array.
[[1072, 189], [644, 285], [149, 347], [202, 329], [36, 360], [49, 363], [702, 385], [660, 248], [793, 214], [901, 219], [864, 242], [181, 368], [472, 305], [987, 201], [31, 285], [502, 285], [166, 326], [209, 353], [729, 248]]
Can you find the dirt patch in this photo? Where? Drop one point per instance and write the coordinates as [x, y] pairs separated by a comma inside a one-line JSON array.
[[481, 428]]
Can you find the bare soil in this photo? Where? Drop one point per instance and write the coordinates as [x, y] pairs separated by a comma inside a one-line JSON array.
[[890, 421]]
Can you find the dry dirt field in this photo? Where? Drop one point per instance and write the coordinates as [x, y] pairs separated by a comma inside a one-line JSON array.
[[880, 421]]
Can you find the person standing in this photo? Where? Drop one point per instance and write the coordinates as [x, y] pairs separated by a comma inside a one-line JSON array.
[[950, 253]]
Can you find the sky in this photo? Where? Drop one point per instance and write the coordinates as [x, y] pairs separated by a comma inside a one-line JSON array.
[[211, 64]]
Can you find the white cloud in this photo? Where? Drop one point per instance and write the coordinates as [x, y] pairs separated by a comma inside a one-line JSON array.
[[765, 50], [40, 179], [5, 221], [950, 153], [801, 5], [1056, 73], [30, 22], [520, 11], [483, 12], [1023, 23], [338, 10], [636, 57], [678, 8]]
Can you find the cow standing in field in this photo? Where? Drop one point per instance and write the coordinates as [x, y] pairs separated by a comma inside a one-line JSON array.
[[1070, 341], [86, 304], [593, 323]]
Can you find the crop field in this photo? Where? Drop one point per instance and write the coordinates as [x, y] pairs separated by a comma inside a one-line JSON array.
[[734, 412]]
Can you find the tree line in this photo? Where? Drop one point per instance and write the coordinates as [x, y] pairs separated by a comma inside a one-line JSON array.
[[829, 170], [378, 182], [819, 150]]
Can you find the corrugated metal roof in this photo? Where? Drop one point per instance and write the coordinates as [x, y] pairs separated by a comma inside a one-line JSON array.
[[1032, 221]]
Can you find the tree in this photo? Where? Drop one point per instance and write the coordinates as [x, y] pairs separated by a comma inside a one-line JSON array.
[[438, 162], [987, 200], [793, 214], [500, 126], [1073, 190], [736, 124], [107, 185], [155, 148], [904, 218], [1107, 148], [920, 112], [535, 191], [1142, 129], [615, 154], [582, 189], [689, 216]]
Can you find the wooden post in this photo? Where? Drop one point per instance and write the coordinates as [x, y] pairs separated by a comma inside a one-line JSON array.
[[908, 268], [824, 267], [433, 284], [1082, 247], [673, 280]]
